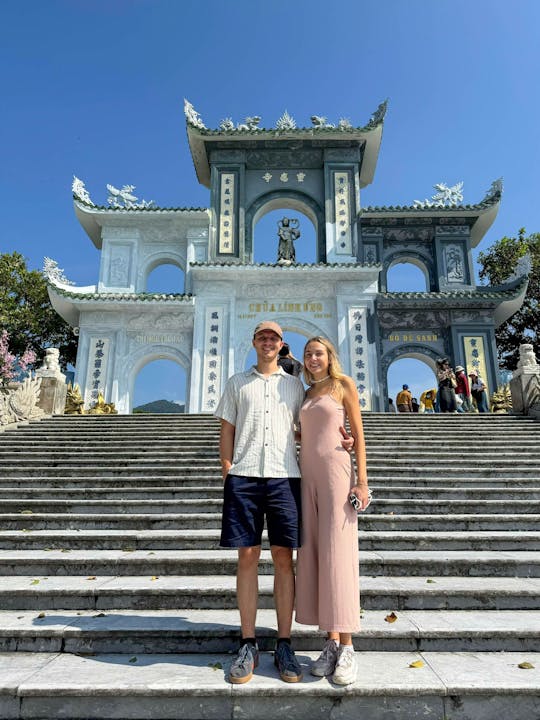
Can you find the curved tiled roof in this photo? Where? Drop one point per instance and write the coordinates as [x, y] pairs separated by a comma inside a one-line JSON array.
[[287, 267], [492, 197], [153, 209], [478, 293], [131, 297]]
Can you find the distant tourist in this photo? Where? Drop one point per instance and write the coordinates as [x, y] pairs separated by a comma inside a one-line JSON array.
[[415, 405], [391, 407], [447, 383], [427, 399], [288, 362], [404, 400], [462, 390], [479, 392]]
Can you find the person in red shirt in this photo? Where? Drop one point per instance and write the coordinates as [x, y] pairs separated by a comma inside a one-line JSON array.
[[462, 390]]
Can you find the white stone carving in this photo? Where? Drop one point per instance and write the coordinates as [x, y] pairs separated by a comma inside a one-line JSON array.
[[523, 268], [53, 273], [250, 123], [124, 199], [79, 190], [267, 177], [192, 116], [284, 177], [51, 365], [344, 124], [445, 197], [20, 403], [286, 122], [453, 259], [527, 358], [319, 122], [300, 176]]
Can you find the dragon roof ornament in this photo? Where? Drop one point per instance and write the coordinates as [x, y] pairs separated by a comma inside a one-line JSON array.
[[495, 191], [53, 273], [124, 199], [80, 192], [192, 116], [523, 269], [444, 197]]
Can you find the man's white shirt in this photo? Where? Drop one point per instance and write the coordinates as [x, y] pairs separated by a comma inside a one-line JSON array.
[[264, 411]]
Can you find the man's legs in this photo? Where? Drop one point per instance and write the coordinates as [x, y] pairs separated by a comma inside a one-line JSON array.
[[247, 588], [283, 588]]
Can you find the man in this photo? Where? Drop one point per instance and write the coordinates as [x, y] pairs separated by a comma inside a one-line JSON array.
[[404, 400], [258, 411]]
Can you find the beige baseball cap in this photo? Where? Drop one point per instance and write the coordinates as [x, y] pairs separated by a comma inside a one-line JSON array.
[[269, 325]]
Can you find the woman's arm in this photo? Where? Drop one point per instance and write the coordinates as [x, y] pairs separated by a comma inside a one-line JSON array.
[[351, 403], [226, 446]]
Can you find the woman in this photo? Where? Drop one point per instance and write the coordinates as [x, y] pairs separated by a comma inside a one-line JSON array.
[[447, 383], [327, 584]]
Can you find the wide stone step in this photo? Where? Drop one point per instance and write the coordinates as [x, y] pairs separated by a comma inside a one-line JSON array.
[[169, 592], [393, 563], [401, 505], [205, 631], [209, 539], [69, 483], [462, 686], [169, 521], [215, 492]]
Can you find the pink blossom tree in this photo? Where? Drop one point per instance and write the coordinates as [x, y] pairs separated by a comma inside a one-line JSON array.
[[11, 366]]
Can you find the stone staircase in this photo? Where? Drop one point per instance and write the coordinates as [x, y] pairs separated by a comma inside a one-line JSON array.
[[115, 601]]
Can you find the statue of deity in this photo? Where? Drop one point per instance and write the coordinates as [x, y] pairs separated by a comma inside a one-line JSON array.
[[288, 232]]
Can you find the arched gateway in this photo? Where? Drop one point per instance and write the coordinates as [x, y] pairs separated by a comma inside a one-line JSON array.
[[250, 171]]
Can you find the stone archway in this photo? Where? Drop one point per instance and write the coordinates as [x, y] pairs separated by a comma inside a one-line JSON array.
[[287, 323], [419, 260], [288, 200], [415, 351], [151, 262], [149, 354]]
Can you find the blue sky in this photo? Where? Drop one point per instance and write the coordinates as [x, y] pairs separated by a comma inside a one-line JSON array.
[[95, 89]]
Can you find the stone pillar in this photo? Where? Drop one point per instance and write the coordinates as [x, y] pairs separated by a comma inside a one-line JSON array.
[[525, 384], [52, 399]]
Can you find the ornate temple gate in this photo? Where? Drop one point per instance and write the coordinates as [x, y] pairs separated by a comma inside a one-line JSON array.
[[319, 171]]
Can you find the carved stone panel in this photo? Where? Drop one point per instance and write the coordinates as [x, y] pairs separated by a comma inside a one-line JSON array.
[[119, 265]]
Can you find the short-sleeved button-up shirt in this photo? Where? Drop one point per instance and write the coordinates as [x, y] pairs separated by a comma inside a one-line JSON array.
[[264, 411]]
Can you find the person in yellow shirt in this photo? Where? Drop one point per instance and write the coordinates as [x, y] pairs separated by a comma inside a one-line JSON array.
[[427, 398], [404, 400]]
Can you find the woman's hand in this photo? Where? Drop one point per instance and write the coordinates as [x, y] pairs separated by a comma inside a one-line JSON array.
[[363, 494], [348, 441]]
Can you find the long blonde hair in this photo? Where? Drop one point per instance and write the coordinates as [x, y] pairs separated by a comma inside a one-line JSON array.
[[334, 366]]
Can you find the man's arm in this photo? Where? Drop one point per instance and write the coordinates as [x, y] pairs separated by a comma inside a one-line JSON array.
[[226, 446]]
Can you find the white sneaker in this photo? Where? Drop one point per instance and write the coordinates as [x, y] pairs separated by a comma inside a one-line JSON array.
[[325, 664], [345, 672]]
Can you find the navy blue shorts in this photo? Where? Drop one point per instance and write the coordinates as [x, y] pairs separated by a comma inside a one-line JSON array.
[[246, 502]]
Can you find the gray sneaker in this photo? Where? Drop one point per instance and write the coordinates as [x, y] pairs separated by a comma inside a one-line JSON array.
[[325, 664], [345, 672], [287, 664], [243, 665]]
